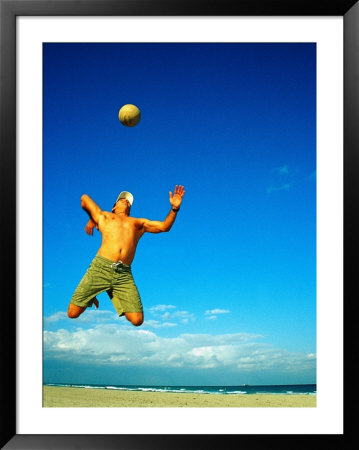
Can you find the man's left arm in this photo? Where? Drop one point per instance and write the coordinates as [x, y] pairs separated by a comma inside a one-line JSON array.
[[155, 226]]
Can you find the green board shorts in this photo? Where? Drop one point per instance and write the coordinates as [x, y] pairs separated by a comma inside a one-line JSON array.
[[115, 278]]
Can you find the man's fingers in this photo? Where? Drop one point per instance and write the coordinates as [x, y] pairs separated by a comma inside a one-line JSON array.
[[178, 189]]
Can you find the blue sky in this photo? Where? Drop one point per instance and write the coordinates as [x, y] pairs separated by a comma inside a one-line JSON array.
[[229, 293]]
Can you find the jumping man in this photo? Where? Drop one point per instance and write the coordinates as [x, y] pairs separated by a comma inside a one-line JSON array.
[[110, 270]]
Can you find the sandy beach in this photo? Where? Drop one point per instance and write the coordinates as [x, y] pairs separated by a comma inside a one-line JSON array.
[[71, 397]]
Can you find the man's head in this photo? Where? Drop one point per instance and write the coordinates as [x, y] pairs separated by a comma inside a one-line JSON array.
[[123, 203]]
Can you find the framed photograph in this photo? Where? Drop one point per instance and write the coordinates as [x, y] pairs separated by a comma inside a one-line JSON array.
[[248, 107]]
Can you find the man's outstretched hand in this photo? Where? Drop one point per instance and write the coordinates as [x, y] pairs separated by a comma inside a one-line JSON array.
[[176, 198]]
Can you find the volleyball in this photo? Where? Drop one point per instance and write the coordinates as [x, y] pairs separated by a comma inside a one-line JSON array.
[[129, 115]]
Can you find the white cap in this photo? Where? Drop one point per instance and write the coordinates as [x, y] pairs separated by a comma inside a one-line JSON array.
[[127, 195]]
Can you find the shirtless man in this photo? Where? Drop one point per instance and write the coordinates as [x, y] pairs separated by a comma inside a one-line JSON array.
[[110, 270]]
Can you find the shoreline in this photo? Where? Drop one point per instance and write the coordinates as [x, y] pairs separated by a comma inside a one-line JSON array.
[[72, 397]]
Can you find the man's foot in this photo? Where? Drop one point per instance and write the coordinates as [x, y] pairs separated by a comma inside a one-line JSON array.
[[96, 303]]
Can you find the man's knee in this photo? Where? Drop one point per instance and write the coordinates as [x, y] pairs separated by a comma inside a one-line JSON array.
[[137, 322], [74, 311], [135, 318]]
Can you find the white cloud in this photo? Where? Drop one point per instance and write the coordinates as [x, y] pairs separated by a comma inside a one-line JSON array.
[[60, 315], [158, 324], [282, 179], [282, 187], [210, 312], [116, 345], [160, 308], [282, 170], [92, 315], [169, 312], [183, 316]]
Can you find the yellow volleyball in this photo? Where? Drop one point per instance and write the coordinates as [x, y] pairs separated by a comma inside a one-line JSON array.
[[129, 115]]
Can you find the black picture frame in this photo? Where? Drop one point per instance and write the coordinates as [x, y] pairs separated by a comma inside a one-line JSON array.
[[9, 10]]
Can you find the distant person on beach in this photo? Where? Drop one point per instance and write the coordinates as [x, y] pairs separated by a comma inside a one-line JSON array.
[[110, 270]]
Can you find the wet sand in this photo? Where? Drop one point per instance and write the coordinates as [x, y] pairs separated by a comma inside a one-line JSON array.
[[71, 397]]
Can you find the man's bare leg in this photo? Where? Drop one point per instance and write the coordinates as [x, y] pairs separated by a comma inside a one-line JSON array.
[[75, 311], [135, 318]]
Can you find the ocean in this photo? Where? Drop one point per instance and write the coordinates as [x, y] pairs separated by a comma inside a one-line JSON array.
[[285, 389]]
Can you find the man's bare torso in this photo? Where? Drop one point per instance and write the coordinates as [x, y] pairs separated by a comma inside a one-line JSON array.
[[120, 232], [120, 236]]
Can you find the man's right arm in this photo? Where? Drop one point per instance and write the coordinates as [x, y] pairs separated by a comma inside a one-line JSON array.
[[92, 209], [90, 226]]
